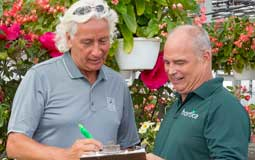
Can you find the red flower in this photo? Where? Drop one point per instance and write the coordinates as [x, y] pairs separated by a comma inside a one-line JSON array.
[[47, 41], [156, 77], [247, 97]]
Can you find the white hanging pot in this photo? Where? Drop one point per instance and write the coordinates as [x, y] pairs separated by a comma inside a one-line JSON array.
[[247, 74], [143, 56]]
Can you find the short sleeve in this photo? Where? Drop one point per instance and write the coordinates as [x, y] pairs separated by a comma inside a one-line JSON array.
[[28, 105], [227, 132], [127, 132]]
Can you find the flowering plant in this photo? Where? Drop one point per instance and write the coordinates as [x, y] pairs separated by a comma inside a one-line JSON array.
[[25, 39], [233, 42], [148, 132], [150, 106], [150, 18], [244, 96]]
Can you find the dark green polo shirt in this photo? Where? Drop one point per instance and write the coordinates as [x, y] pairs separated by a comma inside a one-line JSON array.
[[209, 124]]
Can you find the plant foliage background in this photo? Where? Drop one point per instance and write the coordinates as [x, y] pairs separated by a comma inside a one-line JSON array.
[[21, 25], [26, 38]]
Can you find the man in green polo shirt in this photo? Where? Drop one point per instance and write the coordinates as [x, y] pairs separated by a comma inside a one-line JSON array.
[[206, 122]]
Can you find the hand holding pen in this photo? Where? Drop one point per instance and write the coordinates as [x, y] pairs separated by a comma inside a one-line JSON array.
[[85, 132], [83, 146]]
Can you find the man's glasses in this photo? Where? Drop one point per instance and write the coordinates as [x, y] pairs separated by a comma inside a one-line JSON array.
[[87, 9]]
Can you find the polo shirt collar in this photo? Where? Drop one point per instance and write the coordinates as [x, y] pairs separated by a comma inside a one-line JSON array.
[[207, 88], [74, 72]]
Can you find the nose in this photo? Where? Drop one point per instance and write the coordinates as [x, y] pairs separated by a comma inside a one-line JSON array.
[[170, 69], [96, 51]]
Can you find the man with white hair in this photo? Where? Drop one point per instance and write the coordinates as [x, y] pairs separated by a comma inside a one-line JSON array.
[[206, 122], [57, 95]]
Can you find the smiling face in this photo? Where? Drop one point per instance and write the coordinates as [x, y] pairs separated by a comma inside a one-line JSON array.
[[90, 45], [186, 67]]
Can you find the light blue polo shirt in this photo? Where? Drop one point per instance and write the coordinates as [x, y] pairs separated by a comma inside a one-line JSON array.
[[54, 97]]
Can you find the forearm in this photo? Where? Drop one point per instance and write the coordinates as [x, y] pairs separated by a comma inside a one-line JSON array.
[[22, 147]]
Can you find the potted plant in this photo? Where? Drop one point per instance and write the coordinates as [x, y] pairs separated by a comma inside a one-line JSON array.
[[148, 19], [233, 44]]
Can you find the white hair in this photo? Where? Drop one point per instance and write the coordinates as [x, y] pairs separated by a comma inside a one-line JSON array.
[[68, 23]]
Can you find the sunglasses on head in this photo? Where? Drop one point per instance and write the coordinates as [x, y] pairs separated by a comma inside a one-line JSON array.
[[87, 9]]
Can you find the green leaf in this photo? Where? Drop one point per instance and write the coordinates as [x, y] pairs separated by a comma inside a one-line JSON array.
[[121, 8], [128, 38], [140, 7], [170, 26], [152, 28], [113, 48], [126, 1], [1, 117], [130, 19], [1, 8], [3, 55]]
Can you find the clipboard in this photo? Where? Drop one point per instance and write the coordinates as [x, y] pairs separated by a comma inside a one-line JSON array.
[[136, 154]]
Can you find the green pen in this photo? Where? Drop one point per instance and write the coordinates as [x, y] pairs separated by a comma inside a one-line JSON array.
[[85, 132]]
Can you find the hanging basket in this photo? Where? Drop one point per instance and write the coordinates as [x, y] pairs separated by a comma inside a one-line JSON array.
[[143, 56]]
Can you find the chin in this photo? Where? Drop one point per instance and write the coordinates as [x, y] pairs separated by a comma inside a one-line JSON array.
[[95, 68]]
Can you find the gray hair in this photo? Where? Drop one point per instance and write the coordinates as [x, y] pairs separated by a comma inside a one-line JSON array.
[[68, 23], [198, 36]]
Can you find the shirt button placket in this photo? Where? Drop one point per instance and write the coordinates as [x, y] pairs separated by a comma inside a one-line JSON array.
[[92, 104]]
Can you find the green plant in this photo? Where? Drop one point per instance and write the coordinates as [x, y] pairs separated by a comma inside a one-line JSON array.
[[150, 18], [148, 132], [233, 44]]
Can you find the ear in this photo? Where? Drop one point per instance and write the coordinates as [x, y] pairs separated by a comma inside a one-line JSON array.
[[207, 56], [68, 40]]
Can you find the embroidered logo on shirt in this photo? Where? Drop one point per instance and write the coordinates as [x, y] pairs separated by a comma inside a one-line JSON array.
[[110, 104], [191, 114]]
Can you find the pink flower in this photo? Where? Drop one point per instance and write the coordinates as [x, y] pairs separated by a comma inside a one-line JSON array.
[[47, 41], [115, 2], [244, 38], [156, 77], [247, 108], [55, 53], [218, 44], [149, 107], [174, 6], [202, 10], [10, 33], [179, 6], [250, 30], [3, 31], [13, 32]]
